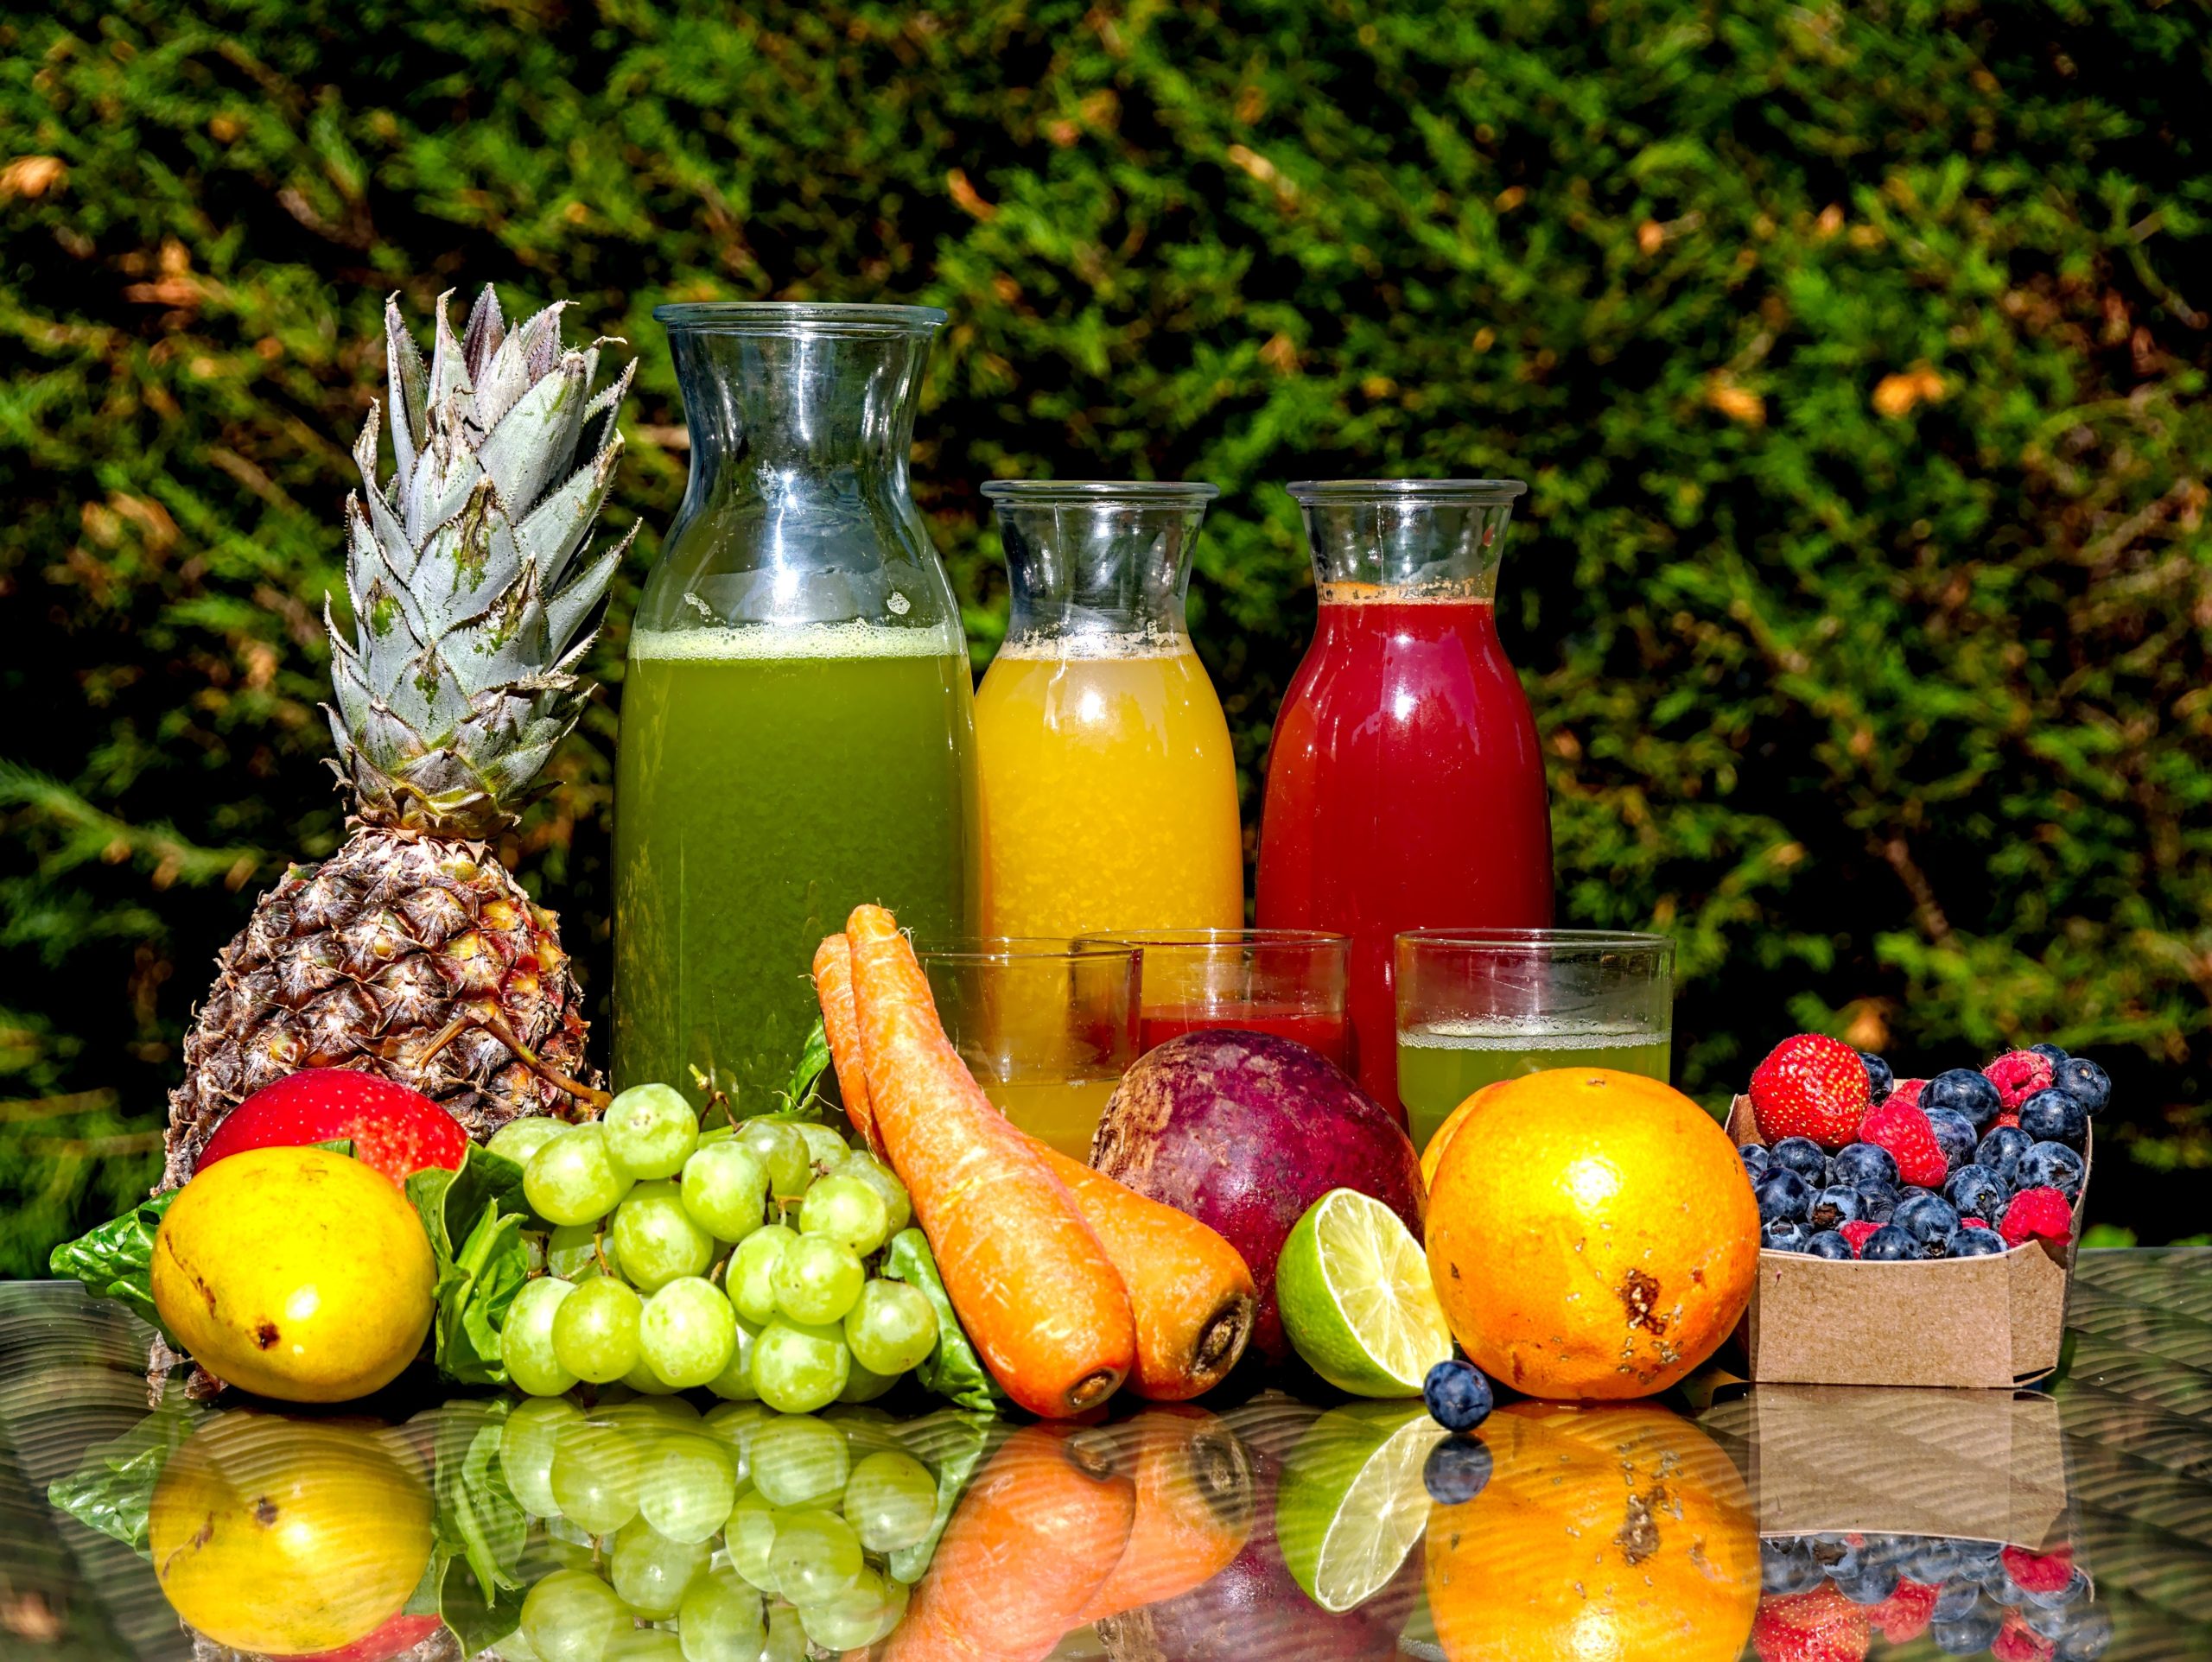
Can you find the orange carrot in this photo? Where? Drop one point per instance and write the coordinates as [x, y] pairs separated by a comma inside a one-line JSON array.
[[1193, 1294], [1032, 1540], [1032, 1286], [833, 985], [1194, 1484]]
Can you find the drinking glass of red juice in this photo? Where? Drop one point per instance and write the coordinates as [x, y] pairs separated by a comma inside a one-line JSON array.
[[1404, 789], [1289, 982]]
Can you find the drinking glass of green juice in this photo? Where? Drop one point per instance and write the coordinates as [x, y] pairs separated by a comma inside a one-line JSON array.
[[1478, 1005]]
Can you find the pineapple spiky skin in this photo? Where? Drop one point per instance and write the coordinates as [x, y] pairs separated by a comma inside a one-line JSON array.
[[411, 951]]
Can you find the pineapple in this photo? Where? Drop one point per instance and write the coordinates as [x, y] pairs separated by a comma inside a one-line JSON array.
[[412, 952]]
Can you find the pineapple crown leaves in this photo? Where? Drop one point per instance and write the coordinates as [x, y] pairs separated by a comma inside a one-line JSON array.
[[467, 570]]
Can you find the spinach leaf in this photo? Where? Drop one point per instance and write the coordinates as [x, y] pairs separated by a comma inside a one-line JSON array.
[[952, 1370], [474, 1218], [117, 1259], [112, 1487], [952, 1446]]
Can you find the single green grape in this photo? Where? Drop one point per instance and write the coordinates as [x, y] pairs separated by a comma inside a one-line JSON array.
[[735, 1382], [825, 1150], [519, 1139], [786, 1637], [867, 1429], [527, 1439], [596, 1329], [573, 1180], [848, 1210], [686, 1486], [862, 1386], [720, 1619], [817, 1554], [571, 1616], [800, 1461], [526, 1338], [642, 1379], [854, 1619], [817, 1281], [688, 1332], [650, 1572], [594, 1476], [891, 1327], [725, 1189], [736, 1423], [783, 1152], [750, 1535], [889, 1501], [656, 1238], [751, 1277], [576, 1250], [650, 1131], [646, 1645], [796, 1368], [898, 1206]]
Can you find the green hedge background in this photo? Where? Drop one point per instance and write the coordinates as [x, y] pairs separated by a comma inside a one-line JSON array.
[[1854, 354]]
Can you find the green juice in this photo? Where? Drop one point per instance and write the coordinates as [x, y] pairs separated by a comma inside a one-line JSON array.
[[769, 779], [1441, 1066]]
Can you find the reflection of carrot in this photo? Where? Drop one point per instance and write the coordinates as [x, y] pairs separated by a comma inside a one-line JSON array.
[[1194, 1508], [1191, 1292], [1032, 1540], [1036, 1293], [833, 985]]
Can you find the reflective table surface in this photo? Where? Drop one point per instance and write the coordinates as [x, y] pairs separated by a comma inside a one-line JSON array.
[[2070, 1522]]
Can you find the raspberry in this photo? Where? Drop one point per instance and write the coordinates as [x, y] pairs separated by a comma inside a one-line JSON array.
[[2038, 1215], [2039, 1572], [1821, 1626], [1811, 1087], [2019, 1074], [1857, 1232], [1910, 1141], [1906, 1093], [1974, 1223], [1905, 1614], [2018, 1642], [2006, 1117]]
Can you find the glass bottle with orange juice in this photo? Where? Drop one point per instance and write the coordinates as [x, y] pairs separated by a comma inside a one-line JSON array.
[[1107, 783]]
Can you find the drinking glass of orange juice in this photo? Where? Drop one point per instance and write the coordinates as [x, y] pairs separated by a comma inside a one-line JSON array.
[[1108, 787], [1047, 1027]]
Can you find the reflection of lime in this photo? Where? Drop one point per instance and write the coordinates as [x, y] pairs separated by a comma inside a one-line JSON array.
[[1351, 1505], [1355, 1297]]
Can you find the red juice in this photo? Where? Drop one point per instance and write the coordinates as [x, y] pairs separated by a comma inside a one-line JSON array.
[[1405, 791], [1319, 1030]]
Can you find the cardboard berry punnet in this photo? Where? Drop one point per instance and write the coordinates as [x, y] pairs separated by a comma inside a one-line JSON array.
[[1993, 1323]]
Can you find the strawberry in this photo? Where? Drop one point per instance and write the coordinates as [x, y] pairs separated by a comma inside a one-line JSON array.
[[1906, 1093], [2039, 1572], [2019, 1074], [1912, 1142], [1905, 1614], [1821, 1626], [2038, 1215], [1811, 1086], [1856, 1232], [2018, 1642]]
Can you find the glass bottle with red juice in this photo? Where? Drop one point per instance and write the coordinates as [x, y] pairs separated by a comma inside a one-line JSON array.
[[1405, 789]]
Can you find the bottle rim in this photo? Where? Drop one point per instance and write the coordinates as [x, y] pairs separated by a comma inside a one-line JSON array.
[[1317, 492], [1141, 492], [797, 318]]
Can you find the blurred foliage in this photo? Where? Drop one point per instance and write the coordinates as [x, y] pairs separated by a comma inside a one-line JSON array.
[[1853, 353]]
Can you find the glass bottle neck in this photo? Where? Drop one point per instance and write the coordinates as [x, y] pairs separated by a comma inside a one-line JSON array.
[[1097, 565], [1414, 539]]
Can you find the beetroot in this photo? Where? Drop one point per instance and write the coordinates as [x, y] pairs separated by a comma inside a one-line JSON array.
[[1244, 1132]]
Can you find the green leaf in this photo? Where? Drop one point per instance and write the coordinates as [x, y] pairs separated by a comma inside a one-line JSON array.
[[117, 1259], [952, 1370], [952, 1446], [481, 1207], [112, 1487]]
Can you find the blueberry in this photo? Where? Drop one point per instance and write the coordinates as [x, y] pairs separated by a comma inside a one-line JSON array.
[[1859, 1163], [2076, 1589], [1932, 1561], [1977, 1192], [1782, 1194], [1930, 1221], [1977, 1243], [1880, 1200], [1968, 1635], [1456, 1471], [2087, 1636], [1954, 1599], [2049, 1053], [1828, 1244], [2001, 1150], [2051, 1165], [1784, 1236], [1868, 1586], [1954, 1135], [1835, 1205], [2083, 1080], [1458, 1395], [1801, 1155], [1965, 1091], [1880, 1081], [2055, 1117], [1889, 1242], [2046, 1622], [1978, 1557], [1787, 1565], [1754, 1159]]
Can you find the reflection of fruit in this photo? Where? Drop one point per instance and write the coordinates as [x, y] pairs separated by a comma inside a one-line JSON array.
[[393, 1129], [1590, 1234], [287, 1536], [395, 1638], [1821, 1626], [296, 1273], [1351, 1505], [1612, 1532], [1432, 1156]]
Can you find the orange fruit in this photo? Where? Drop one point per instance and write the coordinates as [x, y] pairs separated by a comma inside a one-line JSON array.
[[1619, 1533], [1432, 1156], [1590, 1234]]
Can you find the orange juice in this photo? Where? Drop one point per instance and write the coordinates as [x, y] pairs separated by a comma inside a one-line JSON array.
[[1108, 790], [1062, 1112]]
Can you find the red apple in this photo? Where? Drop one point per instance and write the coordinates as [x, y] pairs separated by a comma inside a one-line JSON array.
[[393, 1129], [402, 1633]]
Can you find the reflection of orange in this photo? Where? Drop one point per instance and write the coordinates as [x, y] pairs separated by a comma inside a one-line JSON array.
[[1617, 1534], [1590, 1234], [1432, 1156]]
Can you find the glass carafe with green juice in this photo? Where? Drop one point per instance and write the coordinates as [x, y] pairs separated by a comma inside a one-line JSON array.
[[798, 716]]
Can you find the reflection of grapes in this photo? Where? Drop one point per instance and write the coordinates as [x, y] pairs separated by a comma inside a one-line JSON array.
[[719, 1619], [687, 1486], [527, 1450], [817, 1554], [891, 1501], [750, 1536], [649, 1571], [800, 1461], [787, 1638], [594, 1476], [571, 1616], [857, 1617]]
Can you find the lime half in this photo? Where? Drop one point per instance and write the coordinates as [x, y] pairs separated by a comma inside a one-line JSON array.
[[1351, 1505], [1353, 1287]]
